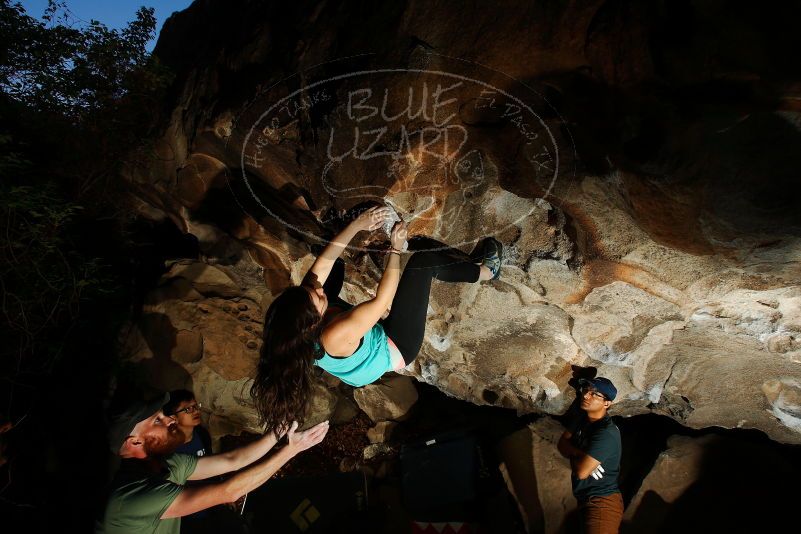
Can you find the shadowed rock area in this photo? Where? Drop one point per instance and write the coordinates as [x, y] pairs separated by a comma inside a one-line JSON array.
[[639, 161]]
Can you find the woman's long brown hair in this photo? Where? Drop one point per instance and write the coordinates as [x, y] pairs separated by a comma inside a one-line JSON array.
[[285, 374]]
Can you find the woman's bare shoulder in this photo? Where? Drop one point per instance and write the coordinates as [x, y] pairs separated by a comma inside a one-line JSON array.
[[338, 335]]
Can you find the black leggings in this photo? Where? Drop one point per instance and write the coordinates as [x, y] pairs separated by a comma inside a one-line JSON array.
[[406, 323]]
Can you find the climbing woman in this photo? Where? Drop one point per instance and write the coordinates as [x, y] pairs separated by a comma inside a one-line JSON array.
[[309, 325]]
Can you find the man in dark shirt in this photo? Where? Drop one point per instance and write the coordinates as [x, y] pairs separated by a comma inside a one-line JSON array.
[[592, 444], [185, 409]]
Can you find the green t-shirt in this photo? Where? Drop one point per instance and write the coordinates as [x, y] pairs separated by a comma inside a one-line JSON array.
[[601, 440], [139, 497]]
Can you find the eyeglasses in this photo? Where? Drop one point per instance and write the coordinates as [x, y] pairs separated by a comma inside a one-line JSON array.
[[192, 408], [594, 393]]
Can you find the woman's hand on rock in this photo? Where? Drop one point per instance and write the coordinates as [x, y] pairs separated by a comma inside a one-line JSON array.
[[399, 235], [371, 219]]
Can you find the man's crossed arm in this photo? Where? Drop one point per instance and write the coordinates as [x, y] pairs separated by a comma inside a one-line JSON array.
[[582, 464], [195, 498]]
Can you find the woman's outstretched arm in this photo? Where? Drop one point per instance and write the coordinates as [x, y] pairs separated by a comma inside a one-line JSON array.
[[347, 328], [370, 219]]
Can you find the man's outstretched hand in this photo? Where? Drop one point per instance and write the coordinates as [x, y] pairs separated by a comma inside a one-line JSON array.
[[300, 441]]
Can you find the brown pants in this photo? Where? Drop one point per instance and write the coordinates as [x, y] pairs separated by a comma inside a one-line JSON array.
[[601, 515]]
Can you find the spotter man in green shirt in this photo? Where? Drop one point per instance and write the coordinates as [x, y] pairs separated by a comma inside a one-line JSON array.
[[149, 492]]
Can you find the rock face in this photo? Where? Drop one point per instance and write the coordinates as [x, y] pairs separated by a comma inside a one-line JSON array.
[[646, 188], [201, 330], [389, 399], [381, 431], [538, 476], [693, 483], [674, 472]]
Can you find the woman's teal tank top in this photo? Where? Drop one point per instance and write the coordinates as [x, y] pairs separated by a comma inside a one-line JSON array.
[[366, 365]]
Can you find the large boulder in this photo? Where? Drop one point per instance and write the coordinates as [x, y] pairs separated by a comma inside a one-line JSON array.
[[673, 473], [210, 345], [652, 231], [390, 398], [693, 483], [538, 476], [381, 432]]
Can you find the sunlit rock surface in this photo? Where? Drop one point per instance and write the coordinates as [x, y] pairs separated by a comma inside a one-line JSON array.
[[539, 477], [657, 238], [692, 484]]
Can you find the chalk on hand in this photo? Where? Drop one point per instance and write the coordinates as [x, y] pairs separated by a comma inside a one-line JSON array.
[[389, 222]]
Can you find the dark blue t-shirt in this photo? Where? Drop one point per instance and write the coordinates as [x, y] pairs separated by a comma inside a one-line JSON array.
[[197, 445], [601, 440]]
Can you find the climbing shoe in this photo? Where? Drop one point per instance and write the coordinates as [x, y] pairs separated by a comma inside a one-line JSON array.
[[493, 256]]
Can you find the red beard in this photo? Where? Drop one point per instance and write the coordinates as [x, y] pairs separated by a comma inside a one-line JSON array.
[[154, 446]]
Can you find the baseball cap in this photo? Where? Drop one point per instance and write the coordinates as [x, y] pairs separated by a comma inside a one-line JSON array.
[[122, 424], [601, 385]]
